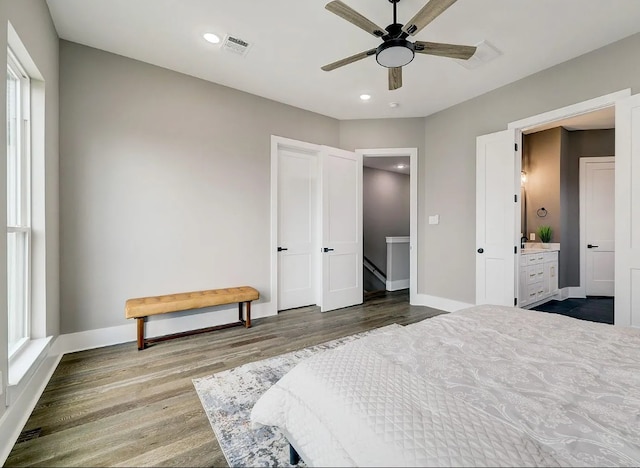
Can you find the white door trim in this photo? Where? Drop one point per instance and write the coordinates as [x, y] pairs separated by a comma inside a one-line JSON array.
[[582, 290], [278, 142], [573, 110], [412, 153]]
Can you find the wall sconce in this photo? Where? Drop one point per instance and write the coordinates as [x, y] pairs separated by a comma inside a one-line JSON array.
[[523, 177]]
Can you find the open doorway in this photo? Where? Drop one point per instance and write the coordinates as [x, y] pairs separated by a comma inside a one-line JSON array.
[[389, 220], [498, 227], [568, 187]]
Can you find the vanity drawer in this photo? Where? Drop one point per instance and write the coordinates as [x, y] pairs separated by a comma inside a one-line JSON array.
[[551, 256], [535, 273], [530, 259], [532, 292]]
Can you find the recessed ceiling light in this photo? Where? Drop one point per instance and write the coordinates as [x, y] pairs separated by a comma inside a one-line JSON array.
[[393, 104], [401, 166], [365, 97], [210, 37]]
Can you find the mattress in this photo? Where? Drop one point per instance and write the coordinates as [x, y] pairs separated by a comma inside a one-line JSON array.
[[484, 386]]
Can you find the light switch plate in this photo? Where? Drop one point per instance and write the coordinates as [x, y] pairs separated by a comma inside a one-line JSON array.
[[435, 219], [532, 236]]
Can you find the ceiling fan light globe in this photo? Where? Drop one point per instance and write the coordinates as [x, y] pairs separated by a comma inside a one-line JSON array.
[[395, 53]]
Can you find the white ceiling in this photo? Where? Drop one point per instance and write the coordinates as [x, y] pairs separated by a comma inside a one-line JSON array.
[[291, 39], [388, 163]]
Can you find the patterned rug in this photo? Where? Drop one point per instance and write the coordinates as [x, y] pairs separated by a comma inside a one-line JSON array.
[[229, 396]]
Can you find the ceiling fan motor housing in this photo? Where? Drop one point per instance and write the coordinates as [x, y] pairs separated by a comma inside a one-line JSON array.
[[395, 53]]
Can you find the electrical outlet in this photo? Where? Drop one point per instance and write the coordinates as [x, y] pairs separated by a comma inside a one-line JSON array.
[[532, 236]]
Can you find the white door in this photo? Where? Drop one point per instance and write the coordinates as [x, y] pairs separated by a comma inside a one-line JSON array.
[[297, 227], [598, 179], [627, 182], [341, 228], [497, 215]]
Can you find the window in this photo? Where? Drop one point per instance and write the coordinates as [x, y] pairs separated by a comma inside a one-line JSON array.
[[18, 204]]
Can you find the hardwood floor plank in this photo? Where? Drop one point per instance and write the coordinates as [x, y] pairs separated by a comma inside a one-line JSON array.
[[117, 406]]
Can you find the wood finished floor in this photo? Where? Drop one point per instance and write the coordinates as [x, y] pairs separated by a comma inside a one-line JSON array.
[[117, 406]]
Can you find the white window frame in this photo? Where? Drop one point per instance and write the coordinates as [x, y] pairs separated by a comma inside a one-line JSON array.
[[24, 217]]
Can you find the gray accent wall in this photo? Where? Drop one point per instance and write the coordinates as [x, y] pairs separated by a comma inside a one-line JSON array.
[[385, 208], [165, 183], [33, 24], [542, 153]]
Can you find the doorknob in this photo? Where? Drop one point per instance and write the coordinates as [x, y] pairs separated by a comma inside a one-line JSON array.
[[589, 246], [326, 249], [480, 250], [280, 249]]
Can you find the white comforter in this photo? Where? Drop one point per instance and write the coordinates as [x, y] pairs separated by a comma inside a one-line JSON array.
[[485, 386]]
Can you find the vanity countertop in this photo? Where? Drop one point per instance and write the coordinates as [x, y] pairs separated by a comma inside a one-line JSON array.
[[535, 247]]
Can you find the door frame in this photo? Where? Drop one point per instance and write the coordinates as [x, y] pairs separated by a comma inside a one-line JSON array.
[[584, 107], [582, 290], [412, 153]]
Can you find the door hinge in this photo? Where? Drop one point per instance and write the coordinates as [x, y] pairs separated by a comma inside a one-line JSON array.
[[515, 249], [515, 198], [516, 146], [515, 301]]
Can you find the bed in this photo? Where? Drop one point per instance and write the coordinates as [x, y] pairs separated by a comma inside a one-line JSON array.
[[484, 386]]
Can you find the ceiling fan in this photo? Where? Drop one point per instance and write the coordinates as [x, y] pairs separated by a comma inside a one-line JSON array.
[[395, 50]]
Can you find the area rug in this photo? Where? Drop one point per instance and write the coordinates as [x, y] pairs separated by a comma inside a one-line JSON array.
[[229, 396]]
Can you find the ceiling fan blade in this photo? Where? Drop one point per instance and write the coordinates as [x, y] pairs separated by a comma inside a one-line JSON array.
[[445, 50], [348, 60], [346, 12], [395, 78], [429, 12]]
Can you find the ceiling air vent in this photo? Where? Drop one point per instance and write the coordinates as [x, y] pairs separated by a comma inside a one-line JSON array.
[[236, 45], [485, 52]]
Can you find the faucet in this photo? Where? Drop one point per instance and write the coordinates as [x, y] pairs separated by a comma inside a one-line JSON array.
[[523, 239]]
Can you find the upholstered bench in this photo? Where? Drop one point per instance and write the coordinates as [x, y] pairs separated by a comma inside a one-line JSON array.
[[144, 307]]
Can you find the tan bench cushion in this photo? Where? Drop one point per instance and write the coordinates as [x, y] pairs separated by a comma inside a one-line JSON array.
[[145, 306]]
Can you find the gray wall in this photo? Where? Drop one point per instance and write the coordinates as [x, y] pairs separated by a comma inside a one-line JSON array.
[[139, 143], [31, 20], [385, 208], [164, 183], [542, 154], [446, 265], [581, 143]]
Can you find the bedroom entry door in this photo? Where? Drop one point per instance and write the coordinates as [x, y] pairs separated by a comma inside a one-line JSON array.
[[598, 179], [497, 214], [341, 228], [297, 228], [316, 225]]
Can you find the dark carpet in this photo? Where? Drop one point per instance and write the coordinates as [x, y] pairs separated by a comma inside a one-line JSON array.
[[593, 308]]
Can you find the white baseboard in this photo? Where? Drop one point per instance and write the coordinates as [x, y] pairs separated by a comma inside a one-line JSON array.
[[441, 303], [577, 293], [16, 415], [155, 326], [397, 285]]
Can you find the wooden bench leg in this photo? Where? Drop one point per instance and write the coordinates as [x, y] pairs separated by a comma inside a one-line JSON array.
[[140, 321], [247, 322]]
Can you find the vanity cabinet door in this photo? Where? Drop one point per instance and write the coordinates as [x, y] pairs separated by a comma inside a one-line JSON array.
[[551, 277]]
